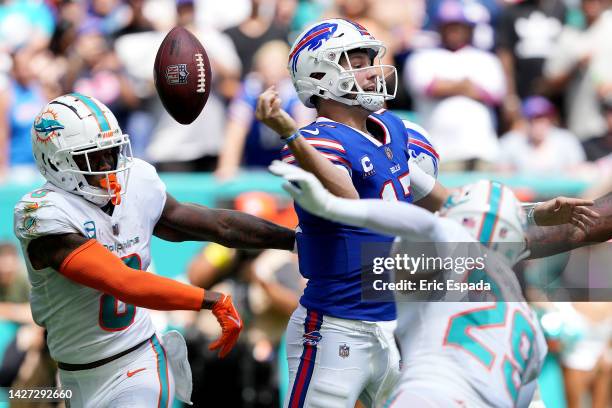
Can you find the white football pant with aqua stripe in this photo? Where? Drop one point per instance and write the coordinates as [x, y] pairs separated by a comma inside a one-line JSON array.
[[142, 378]]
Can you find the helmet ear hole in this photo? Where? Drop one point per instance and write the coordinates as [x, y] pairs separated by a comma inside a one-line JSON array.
[[317, 75], [49, 162]]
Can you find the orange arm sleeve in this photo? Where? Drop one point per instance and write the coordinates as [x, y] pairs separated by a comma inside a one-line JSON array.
[[94, 266]]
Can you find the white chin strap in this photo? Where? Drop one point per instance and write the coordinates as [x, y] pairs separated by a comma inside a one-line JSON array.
[[371, 102]]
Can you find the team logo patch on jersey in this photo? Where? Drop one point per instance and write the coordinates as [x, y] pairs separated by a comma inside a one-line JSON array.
[[388, 153], [176, 74], [90, 229], [46, 126], [311, 338], [312, 40], [344, 351], [29, 224]]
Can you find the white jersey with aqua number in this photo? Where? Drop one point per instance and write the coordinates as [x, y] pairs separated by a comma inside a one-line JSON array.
[[483, 351], [83, 324]]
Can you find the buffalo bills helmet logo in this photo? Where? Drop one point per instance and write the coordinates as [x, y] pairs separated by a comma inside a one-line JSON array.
[[312, 40]]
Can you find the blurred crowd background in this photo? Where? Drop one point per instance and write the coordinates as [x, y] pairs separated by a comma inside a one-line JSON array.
[[503, 86]]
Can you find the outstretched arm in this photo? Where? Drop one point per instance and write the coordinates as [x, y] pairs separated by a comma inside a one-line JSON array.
[[389, 218], [87, 262], [334, 178], [547, 241], [193, 222]]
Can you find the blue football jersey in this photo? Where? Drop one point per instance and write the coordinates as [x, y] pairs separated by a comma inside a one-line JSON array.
[[330, 254]]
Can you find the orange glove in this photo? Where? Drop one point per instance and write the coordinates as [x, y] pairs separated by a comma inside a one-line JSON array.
[[231, 325]]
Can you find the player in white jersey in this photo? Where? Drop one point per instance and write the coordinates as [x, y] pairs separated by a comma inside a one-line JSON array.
[[455, 353], [86, 238]]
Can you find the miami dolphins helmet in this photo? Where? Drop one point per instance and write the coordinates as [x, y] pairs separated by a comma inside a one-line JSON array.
[[74, 126], [493, 215]]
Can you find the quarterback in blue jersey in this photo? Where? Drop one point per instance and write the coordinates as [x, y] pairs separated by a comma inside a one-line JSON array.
[[341, 349]]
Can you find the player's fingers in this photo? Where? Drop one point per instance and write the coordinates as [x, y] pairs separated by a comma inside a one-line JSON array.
[[267, 107], [293, 191], [578, 201], [579, 224], [216, 344], [281, 168], [259, 107], [228, 346], [586, 220], [587, 212], [276, 104]]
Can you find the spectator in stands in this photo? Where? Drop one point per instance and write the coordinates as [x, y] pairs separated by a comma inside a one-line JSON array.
[[17, 329], [137, 21], [248, 142], [69, 16], [482, 12], [585, 360], [526, 35], [25, 23], [175, 147], [362, 12], [20, 102], [542, 147], [569, 69], [456, 88], [110, 16], [256, 30], [599, 147], [95, 70]]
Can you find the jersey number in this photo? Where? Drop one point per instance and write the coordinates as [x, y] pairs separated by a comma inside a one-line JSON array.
[[114, 314], [522, 336], [388, 191]]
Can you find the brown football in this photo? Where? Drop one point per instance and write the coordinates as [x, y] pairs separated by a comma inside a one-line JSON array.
[[182, 75]]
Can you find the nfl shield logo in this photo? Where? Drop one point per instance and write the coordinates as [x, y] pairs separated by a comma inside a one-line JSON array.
[[176, 74], [389, 153], [344, 351]]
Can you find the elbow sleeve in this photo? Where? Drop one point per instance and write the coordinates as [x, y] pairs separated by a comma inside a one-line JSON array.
[[94, 266]]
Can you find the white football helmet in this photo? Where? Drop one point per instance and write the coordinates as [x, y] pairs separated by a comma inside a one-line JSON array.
[[314, 65], [493, 215], [77, 125]]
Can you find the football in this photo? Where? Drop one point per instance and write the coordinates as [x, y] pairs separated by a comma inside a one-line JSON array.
[[182, 75]]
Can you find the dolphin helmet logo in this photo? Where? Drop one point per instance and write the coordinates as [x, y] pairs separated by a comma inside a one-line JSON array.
[[312, 40], [46, 125]]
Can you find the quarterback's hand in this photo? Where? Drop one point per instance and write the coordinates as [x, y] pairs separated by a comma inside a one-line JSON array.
[[269, 112], [309, 193], [231, 325], [564, 210]]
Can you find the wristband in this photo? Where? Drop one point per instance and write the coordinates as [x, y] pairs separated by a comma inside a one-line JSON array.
[[293, 137], [530, 210], [531, 215]]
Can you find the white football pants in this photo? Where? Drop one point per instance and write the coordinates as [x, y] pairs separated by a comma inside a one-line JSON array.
[[142, 378], [334, 362]]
